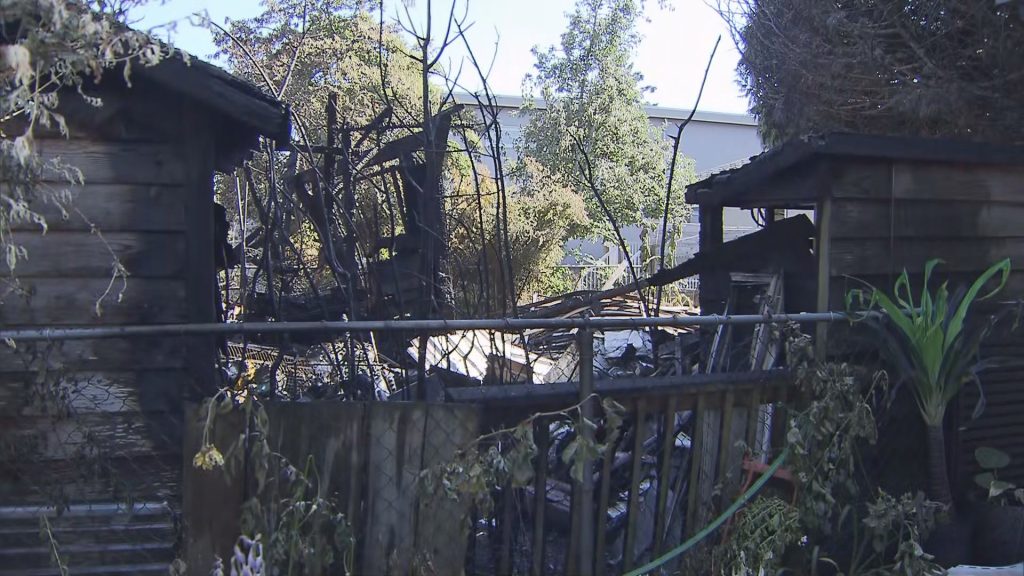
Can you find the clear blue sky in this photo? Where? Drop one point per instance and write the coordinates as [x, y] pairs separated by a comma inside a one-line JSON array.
[[671, 56]]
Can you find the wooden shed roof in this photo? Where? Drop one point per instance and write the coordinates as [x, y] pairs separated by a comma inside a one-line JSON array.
[[236, 99], [743, 186]]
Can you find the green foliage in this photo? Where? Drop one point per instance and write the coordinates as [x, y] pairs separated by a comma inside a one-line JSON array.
[[763, 531], [305, 533], [920, 67], [593, 132], [839, 521], [303, 50], [474, 473], [992, 461], [928, 339]]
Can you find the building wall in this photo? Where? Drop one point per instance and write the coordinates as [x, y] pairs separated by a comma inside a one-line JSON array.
[[120, 399], [713, 140]]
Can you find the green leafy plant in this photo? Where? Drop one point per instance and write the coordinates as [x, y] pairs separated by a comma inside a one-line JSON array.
[[993, 460], [839, 522], [934, 348]]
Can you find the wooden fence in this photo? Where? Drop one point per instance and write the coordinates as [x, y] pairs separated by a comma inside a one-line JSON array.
[[368, 458]]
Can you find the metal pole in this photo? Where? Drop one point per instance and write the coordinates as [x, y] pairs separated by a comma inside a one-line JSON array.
[[338, 327], [585, 341]]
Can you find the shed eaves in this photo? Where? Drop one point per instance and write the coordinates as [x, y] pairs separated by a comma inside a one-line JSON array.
[[737, 186]]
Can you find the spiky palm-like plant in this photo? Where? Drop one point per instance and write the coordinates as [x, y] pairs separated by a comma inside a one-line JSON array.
[[934, 349]]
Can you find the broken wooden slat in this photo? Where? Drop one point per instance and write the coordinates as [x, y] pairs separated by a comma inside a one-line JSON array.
[[601, 546], [664, 469], [635, 478], [541, 435], [507, 516], [700, 415], [728, 411]]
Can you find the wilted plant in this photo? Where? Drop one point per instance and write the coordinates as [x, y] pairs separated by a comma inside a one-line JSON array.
[[933, 347]]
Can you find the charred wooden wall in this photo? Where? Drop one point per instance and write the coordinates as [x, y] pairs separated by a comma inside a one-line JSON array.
[[147, 164], [888, 215]]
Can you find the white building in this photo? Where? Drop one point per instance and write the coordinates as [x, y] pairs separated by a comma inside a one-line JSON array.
[[714, 140]]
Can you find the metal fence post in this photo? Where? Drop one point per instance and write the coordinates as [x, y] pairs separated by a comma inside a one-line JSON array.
[[585, 509]]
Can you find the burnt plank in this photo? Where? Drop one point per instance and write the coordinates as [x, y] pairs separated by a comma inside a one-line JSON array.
[[111, 208], [113, 162], [84, 255], [89, 301]]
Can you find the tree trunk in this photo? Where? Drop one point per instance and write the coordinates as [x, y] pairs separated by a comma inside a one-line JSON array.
[[938, 474]]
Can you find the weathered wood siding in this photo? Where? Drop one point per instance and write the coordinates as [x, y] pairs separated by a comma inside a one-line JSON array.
[[122, 399], [887, 216]]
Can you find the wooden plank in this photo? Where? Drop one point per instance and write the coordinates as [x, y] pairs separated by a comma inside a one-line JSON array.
[[395, 455], [114, 208], [156, 477], [53, 301], [118, 354], [80, 254], [945, 181], [696, 456], [858, 218], [541, 436], [211, 502], [724, 444], [90, 392], [629, 553], [664, 471], [443, 528], [329, 432], [932, 181], [824, 251], [114, 162], [604, 496], [507, 527], [197, 152], [861, 179], [863, 257], [120, 434]]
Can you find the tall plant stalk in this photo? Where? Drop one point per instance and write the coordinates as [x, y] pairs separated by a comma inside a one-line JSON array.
[[934, 348]]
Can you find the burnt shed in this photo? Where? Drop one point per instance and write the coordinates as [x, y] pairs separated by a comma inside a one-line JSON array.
[[881, 204], [147, 158]]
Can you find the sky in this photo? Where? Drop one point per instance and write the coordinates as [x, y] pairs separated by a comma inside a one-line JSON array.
[[672, 55]]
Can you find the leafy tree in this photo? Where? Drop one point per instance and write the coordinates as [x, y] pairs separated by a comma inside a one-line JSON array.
[[304, 50], [920, 67], [593, 132]]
